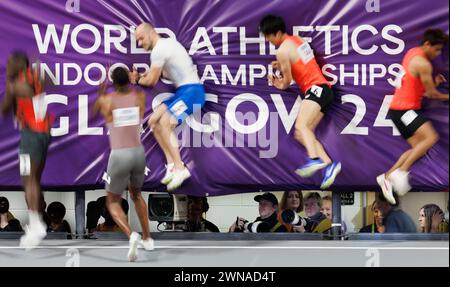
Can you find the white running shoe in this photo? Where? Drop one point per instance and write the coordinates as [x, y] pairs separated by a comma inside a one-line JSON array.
[[386, 188], [135, 239], [400, 182], [170, 170], [178, 178], [148, 244], [33, 236]]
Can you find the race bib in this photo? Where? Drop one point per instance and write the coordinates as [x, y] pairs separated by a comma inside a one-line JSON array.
[[409, 117], [179, 108], [24, 164], [316, 90], [39, 107], [305, 52], [126, 117]]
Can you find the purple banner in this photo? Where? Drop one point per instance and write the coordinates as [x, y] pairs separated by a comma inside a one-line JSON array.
[[243, 140]]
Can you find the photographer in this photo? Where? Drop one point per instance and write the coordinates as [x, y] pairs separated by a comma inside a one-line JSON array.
[[267, 220], [315, 222], [292, 200]]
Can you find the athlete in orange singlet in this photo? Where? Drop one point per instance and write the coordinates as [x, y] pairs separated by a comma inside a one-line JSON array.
[[24, 93], [295, 61], [405, 110]]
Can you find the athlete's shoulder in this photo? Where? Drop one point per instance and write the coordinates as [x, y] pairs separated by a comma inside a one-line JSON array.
[[420, 63]]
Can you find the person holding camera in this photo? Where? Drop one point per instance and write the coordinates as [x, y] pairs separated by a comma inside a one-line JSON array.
[[291, 200], [267, 220], [314, 222]]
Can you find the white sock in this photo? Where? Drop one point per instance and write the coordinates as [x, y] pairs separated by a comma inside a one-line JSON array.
[[34, 218]]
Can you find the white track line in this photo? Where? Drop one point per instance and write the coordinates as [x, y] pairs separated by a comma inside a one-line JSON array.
[[240, 247]]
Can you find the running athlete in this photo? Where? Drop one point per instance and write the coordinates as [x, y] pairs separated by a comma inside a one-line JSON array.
[[295, 61], [405, 110], [123, 110], [169, 58], [24, 94]]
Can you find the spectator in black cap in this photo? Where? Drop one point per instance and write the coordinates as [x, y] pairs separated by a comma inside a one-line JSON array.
[[56, 212], [7, 221], [267, 220]]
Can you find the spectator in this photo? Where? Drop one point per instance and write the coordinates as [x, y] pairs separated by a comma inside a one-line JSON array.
[[327, 209], [377, 225], [197, 206], [432, 219], [292, 200], [93, 214], [97, 209], [56, 212], [317, 222], [446, 214], [268, 206], [395, 220], [7, 221]]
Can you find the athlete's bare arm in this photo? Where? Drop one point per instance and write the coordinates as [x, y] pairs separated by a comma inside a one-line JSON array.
[[283, 64], [424, 70], [141, 101], [149, 79], [8, 101], [102, 102]]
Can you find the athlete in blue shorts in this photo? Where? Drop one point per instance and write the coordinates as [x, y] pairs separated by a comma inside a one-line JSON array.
[[169, 58]]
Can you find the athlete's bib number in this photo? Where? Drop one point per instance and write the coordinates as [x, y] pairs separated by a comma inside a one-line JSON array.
[[305, 52], [409, 117], [126, 117], [39, 107]]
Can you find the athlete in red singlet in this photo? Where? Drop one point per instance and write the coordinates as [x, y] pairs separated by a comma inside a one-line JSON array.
[[24, 94], [415, 82], [295, 61]]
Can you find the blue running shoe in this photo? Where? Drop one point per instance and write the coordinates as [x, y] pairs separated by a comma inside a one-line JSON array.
[[330, 174], [310, 167]]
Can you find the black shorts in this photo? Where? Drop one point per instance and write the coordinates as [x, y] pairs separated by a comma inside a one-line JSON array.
[[407, 121], [34, 145], [321, 94]]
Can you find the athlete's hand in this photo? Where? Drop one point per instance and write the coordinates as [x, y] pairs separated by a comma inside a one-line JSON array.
[[275, 65], [275, 81], [134, 75], [271, 79], [439, 79]]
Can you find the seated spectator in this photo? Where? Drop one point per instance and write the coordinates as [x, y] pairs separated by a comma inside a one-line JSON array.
[[327, 209], [377, 225], [446, 214], [56, 212], [395, 220], [317, 222], [267, 220], [292, 200], [7, 221], [197, 206], [432, 219], [95, 209]]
